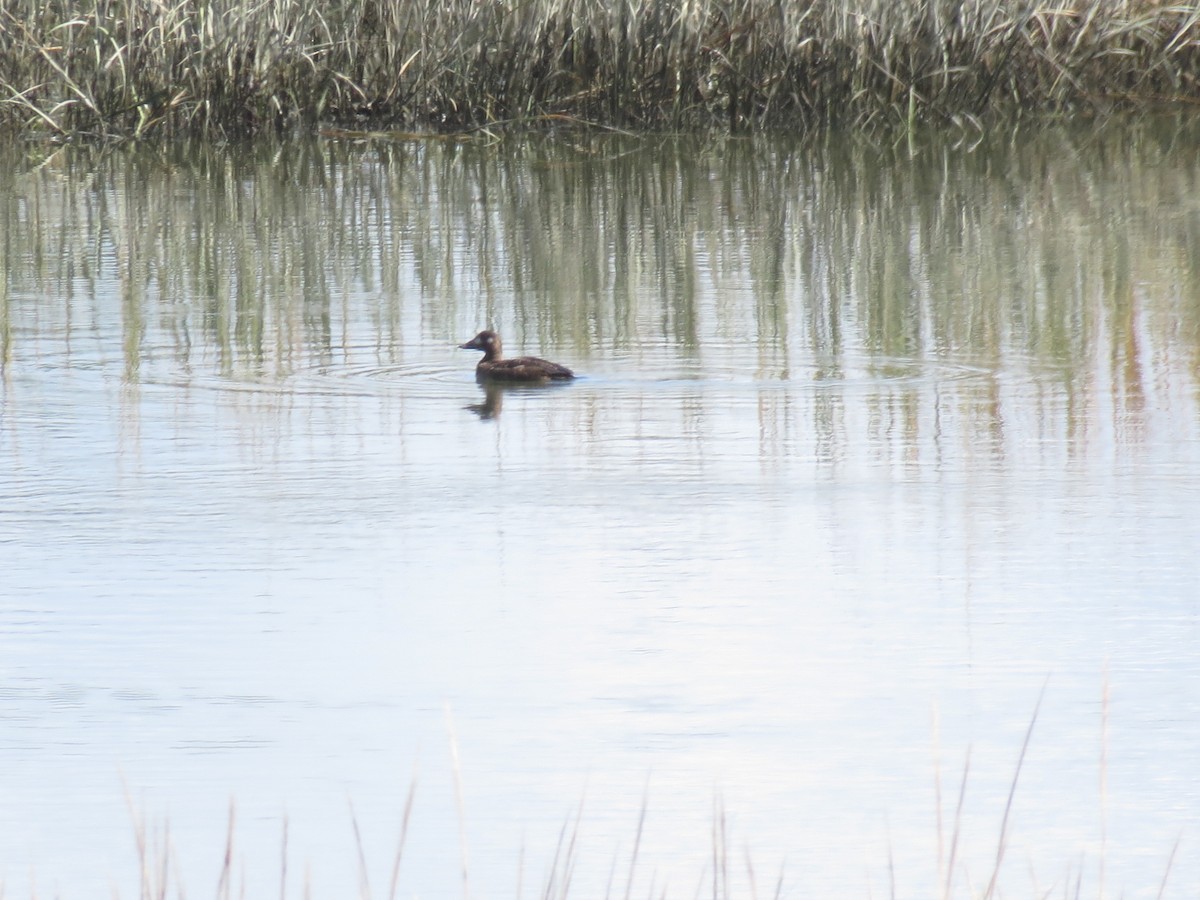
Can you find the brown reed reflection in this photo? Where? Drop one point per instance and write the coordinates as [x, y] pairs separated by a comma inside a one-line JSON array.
[[1069, 258]]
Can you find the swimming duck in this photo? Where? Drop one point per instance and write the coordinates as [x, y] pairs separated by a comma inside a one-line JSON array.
[[523, 368]]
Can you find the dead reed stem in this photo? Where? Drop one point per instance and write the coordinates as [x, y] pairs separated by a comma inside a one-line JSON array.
[[408, 805], [1002, 841], [459, 803]]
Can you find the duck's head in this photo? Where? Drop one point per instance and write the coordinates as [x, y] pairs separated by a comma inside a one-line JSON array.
[[487, 341]]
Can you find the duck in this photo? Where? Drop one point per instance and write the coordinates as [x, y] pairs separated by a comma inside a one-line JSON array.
[[494, 367]]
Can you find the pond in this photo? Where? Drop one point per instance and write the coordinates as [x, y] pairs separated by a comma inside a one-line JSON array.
[[860, 558]]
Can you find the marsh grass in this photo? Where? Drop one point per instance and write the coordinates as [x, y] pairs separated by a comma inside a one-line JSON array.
[[216, 67], [160, 879], [726, 876]]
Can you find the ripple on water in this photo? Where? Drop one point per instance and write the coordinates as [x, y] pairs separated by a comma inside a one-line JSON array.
[[844, 374], [331, 380], [393, 372]]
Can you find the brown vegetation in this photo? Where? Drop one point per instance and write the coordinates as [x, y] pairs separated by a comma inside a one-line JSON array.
[[132, 67]]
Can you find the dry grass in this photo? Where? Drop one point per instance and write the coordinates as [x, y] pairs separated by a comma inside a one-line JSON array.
[[134, 67]]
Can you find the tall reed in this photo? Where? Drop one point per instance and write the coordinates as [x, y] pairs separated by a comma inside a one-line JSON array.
[[132, 67]]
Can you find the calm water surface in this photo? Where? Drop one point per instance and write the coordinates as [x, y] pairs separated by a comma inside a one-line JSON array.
[[874, 446]]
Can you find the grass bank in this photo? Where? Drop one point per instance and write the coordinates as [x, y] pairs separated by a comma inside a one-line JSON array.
[[213, 67]]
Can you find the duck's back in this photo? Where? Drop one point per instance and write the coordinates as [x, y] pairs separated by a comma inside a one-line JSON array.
[[523, 368]]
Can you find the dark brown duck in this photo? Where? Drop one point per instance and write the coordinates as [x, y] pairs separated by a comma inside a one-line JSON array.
[[522, 368]]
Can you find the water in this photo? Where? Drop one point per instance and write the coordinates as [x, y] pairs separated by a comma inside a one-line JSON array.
[[881, 455]]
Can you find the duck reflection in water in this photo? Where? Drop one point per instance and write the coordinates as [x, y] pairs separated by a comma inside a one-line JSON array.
[[493, 401], [523, 369], [494, 393]]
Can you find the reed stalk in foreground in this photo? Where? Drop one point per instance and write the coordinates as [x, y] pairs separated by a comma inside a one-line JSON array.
[[155, 852], [136, 67], [160, 878]]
